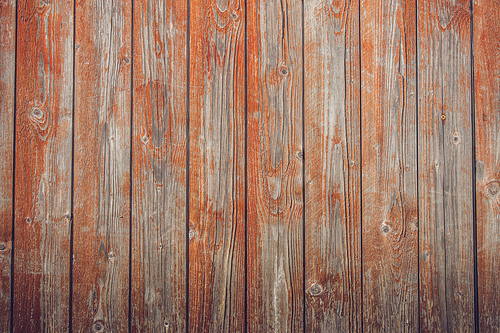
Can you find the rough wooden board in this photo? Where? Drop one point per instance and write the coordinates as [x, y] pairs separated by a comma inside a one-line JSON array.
[[7, 91], [159, 167], [275, 167], [445, 166], [43, 166], [487, 97], [389, 157], [332, 166], [217, 157], [102, 166]]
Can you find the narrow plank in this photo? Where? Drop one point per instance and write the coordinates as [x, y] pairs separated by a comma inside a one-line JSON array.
[[275, 167], [159, 166], [43, 166], [487, 98], [102, 166], [445, 166], [332, 166], [217, 157], [7, 91], [389, 171]]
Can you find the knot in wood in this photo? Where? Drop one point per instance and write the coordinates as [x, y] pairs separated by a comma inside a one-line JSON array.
[[126, 60], [191, 233], [98, 327], [111, 256], [284, 70], [493, 188], [315, 289], [385, 228], [2, 246], [234, 16], [166, 324], [28, 220], [37, 113], [300, 154]]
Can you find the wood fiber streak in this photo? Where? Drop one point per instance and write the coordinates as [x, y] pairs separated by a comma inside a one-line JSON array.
[[389, 134], [275, 175], [43, 166], [159, 167], [217, 157], [487, 97], [7, 91], [332, 166], [102, 166], [445, 166]]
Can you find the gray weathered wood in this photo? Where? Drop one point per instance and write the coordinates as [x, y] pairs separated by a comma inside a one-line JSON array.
[[7, 91], [275, 166], [102, 166], [389, 135], [159, 167], [217, 161], [43, 166], [445, 166], [332, 166]]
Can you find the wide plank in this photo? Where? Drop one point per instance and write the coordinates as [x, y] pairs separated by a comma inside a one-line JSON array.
[[487, 120], [101, 212], [7, 91], [445, 166], [159, 167], [275, 158], [332, 166], [43, 176], [389, 166], [216, 166]]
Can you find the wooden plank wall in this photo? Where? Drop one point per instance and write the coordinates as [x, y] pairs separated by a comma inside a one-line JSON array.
[[249, 166]]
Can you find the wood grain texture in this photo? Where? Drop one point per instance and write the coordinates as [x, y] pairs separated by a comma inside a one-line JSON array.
[[445, 166], [217, 157], [43, 166], [7, 91], [389, 171], [332, 166], [487, 98], [102, 166], [159, 167], [275, 166]]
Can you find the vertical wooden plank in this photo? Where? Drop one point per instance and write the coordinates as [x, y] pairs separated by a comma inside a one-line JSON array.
[[102, 165], [487, 98], [159, 166], [7, 91], [43, 166], [275, 166], [389, 171], [217, 157], [445, 166], [332, 166]]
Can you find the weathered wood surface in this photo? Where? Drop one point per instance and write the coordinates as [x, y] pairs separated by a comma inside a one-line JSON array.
[[7, 91], [487, 119], [445, 166], [101, 190], [332, 166], [159, 167], [217, 162], [389, 158], [275, 166], [43, 174], [191, 207]]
